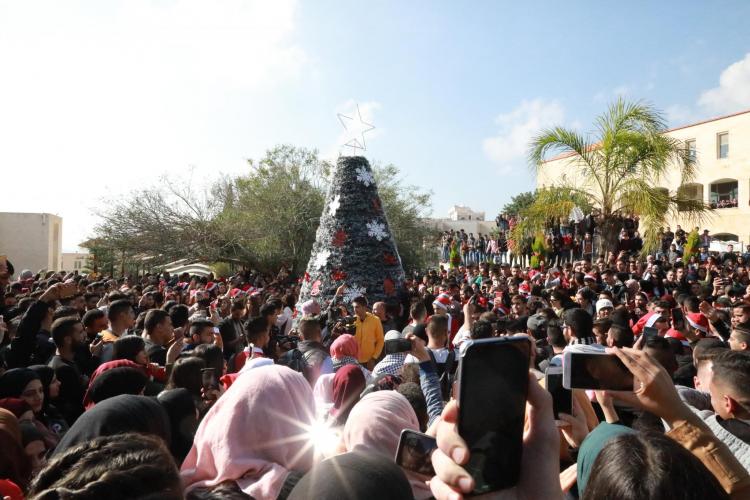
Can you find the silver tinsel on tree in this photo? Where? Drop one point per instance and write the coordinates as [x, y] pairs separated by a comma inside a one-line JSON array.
[[353, 244]]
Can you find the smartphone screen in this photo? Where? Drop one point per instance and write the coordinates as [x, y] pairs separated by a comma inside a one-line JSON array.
[[650, 331], [678, 318], [397, 345], [599, 371], [562, 398], [493, 384], [414, 452]]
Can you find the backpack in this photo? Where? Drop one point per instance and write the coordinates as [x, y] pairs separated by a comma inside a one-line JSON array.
[[294, 359], [445, 372]]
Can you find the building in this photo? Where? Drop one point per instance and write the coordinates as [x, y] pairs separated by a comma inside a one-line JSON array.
[[74, 261], [460, 212], [461, 217], [721, 147], [31, 241]]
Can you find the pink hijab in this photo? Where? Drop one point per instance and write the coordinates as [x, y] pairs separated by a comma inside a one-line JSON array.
[[376, 422], [345, 345], [248, 436]]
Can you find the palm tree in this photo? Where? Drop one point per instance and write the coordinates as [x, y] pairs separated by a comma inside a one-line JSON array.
[[618, 172]]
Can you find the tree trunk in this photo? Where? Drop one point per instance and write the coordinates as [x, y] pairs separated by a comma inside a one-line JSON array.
[[609, 231]]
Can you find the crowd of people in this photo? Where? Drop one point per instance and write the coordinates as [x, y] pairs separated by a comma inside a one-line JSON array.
[[198, 387]]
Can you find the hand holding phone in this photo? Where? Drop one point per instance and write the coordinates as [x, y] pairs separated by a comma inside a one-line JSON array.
[[415, 451], [595, 370], [562, 398], [395, 346]]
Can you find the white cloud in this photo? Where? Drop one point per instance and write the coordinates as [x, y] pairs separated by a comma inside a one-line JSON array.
[[509, 147], [678, 115], [733, 92], [106, 96]]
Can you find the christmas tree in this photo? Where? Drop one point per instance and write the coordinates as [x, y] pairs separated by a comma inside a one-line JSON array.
[[353, 244]]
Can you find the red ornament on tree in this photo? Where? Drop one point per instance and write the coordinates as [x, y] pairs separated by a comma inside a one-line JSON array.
[[315, 290], [388, 286], [339, 238], [389, 259], [307, 277], [338, 275]]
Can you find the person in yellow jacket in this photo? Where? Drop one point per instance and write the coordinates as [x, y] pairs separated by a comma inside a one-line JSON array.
[[369, 335]]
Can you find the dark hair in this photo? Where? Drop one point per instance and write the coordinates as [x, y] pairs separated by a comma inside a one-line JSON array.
[[269, 308], [649, 465], [555, 336], [154, 317], [361, 300], [212, 355], [622, 336], [199, 324], [580, 321], [255, 327], [237, 304], [186, 373], [62, 328], [117, 308], [413, 393], [122, 466], [227, 490], [439, 323], [127, 347], [179, 314], [481, 330], [707, 349], [417, 310], [733, 368], [65, 312], [92, 315]]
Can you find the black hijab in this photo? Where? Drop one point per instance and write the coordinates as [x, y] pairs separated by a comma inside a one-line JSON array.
[[46, 375], [121, 380], [117, 415], [14, 381], [183, 421], [354, 475]]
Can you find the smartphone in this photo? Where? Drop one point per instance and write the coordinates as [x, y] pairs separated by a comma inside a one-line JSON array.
[[650, 331], [493, 378], [678, 319], [414, 452], [562, 398], [588, 370], [397, 345], [208, 379]]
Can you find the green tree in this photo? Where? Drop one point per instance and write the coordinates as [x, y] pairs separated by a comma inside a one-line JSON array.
[[619, 171], [519, 202]]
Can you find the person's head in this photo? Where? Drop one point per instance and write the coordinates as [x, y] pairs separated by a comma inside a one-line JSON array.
[[94, 321], [33, 445], [556, 337], [413, 393], [604, 308], [238, 309], [741, 315], [379, 310], [158, 326], [348, 383], [213, 356], [577, 324], [25, 384], [649, 465], [730, 384], [481, 329], [619, 336], [270, 311], [660, 349], [360, 307], [91, 300], [222, 450], [122, 466], [703, 354], [601, 328], [131, 347], [179, 314], [201, 332], [309, 329], [186, 373], [257, 331], [518, 306], [67, 333], [739, 339], [437, 329], [418, 312], [121, 314]]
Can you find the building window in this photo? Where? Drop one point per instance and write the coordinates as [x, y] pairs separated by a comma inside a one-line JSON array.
[[77, 264], [722, 144], [690, 148], [724, 194]]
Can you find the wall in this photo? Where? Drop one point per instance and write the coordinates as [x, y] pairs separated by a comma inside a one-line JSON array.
[[31, 241], [74, 261]]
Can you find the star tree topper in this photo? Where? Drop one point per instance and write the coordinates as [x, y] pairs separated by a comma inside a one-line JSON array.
[[355, 128]]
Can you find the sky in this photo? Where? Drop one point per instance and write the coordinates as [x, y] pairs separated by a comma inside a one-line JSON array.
[[101, 98]]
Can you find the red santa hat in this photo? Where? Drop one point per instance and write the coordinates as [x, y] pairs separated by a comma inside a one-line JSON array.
[[443, 301], [698, 321]]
